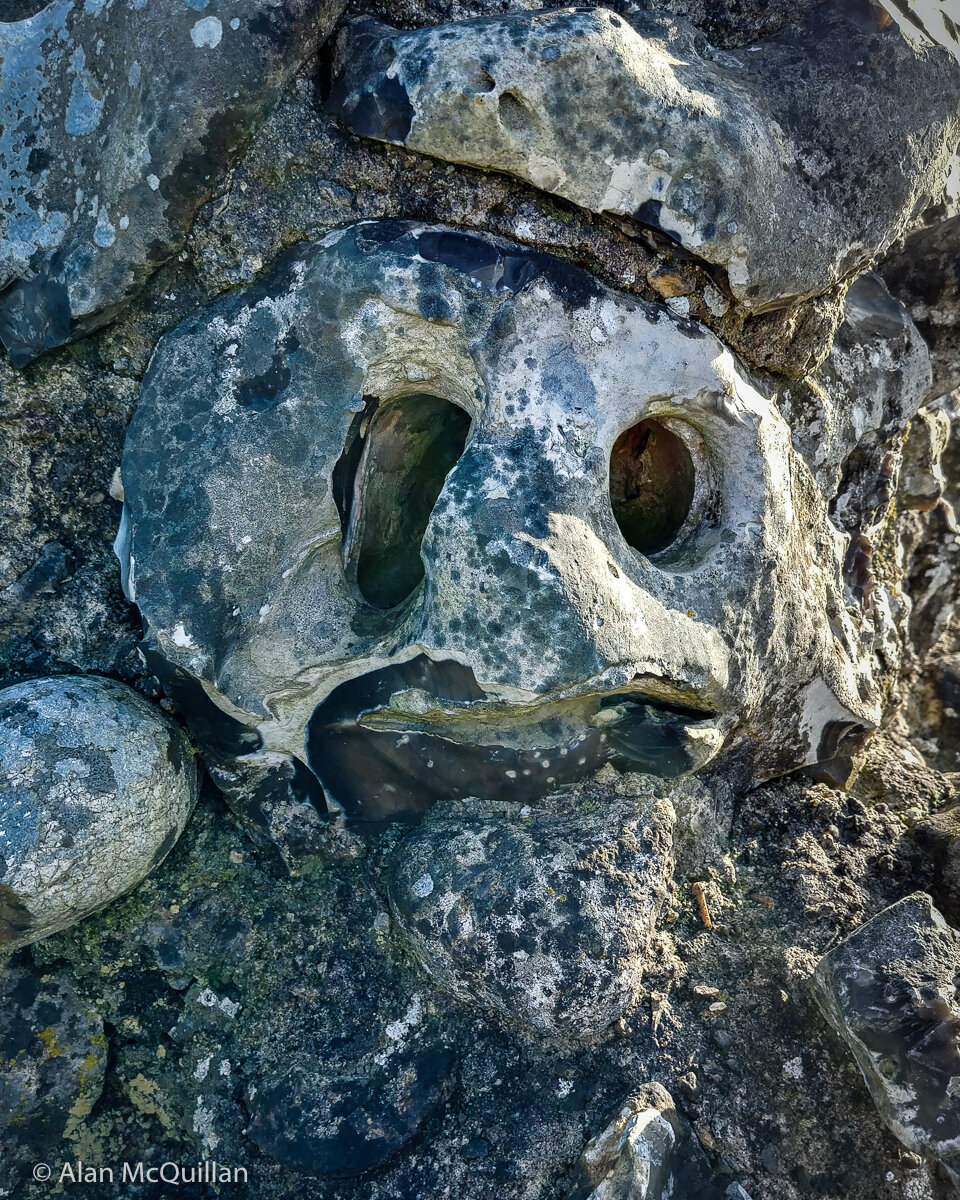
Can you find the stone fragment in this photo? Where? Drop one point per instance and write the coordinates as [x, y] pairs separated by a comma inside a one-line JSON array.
[[96, 786], [53, 1059], [890, 990], [544, 921], [753, 160], [647, 1152], [633, 1157], [117, 120], [469, 592]]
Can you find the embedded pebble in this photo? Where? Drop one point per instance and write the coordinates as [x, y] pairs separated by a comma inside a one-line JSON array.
[[96, 786]]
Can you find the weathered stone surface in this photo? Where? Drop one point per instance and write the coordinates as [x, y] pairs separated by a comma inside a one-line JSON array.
[[538, 606], [922, 481], [921, 271], [750, 160], [890, 991], [873, 382], [543, 919], [632, 1158], [849, 420], [939, 835], [117, 120], [95, 788], [53, 1059]]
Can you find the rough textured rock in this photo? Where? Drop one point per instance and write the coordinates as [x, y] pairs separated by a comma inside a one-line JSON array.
[[95, 788], [546, 920], [873, 382], [939, 835], [453, 430], [118, 120], [53, 1059], [347, 1125], [750, 161], [647, 1152], [922, 272], [890, 991], [279, 1021]]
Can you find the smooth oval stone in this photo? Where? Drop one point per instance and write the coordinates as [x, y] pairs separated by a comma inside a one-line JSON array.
[[96, 786]]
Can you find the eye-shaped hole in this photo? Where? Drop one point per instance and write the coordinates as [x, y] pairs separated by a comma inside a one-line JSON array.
[[387, 481], [652, 485]]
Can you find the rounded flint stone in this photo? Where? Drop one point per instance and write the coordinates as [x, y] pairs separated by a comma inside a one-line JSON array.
[[96, 786]]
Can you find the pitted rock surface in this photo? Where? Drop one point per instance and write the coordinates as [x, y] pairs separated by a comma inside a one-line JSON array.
[[435, 415], [931, 295], [545, 920], [96, 786], [751, 160], [891, 991], [117, 120]]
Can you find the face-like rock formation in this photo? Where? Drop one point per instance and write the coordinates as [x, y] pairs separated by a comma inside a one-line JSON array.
[[426, 515]]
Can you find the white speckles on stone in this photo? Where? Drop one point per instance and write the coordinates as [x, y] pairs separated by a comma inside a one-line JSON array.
[[86, 99], [397, 1030], [235, 24], [134, 74], [209, 999], [207, 33], [153, 182], [422, 887], [105, 791], [104, 234], [793, 1069]]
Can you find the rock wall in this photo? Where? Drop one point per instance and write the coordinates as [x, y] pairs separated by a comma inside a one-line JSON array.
[[479, 663]]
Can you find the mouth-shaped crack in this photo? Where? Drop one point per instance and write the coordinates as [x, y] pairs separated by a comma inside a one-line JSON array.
[[393, 742]]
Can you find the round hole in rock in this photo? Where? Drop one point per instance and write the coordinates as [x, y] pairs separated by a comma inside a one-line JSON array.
[[652, 482], [387, 482]]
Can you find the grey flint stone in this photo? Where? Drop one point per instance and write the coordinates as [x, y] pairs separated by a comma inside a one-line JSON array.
[[523, 620], [752, 159], [96, 785], [890, 992], [118, 118], [545, 921], [648, 1152]]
